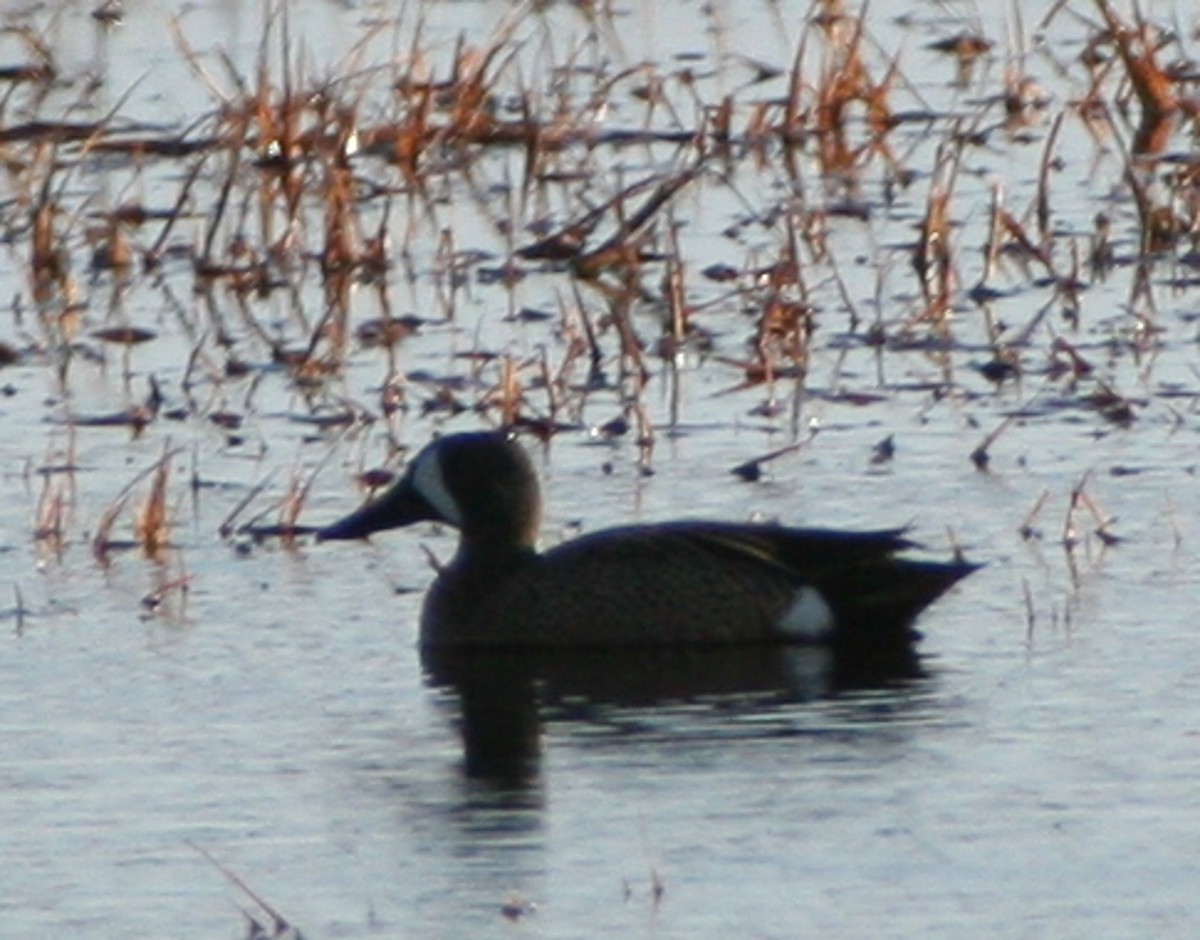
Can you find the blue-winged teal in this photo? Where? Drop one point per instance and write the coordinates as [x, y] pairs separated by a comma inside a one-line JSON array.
[[668, 584]]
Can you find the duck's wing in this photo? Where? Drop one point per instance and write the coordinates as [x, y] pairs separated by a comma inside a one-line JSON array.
[[806, 554], [860, 575]]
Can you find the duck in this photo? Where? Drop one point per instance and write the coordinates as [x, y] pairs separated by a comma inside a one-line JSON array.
[[676, 584]]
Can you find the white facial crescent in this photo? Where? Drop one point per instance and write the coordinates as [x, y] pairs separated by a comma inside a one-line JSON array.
[[430, 483]]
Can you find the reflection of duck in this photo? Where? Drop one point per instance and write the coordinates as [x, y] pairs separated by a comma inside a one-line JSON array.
[[504, 697], [676, 584]]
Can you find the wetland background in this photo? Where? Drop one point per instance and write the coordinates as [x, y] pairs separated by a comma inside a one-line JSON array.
[[836, 265]]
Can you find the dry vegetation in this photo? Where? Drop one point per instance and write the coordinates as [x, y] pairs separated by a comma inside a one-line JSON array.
[[246, 262], [286, 218]]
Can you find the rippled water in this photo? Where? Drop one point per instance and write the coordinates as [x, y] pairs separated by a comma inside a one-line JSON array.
[[1037, 781]]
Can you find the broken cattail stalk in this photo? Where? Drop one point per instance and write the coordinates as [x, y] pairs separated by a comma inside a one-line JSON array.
[[50, 527], [1030, 618], [280, 925], [102, 541], [152, 524], [1154, 88], [980, 456], [932, 255], [1028, 530], [1043, 189]]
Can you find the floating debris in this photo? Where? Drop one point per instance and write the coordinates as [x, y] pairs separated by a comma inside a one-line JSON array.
[[124, 335]]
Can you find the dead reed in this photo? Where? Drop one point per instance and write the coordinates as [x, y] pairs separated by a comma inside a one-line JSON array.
[[305, 237]]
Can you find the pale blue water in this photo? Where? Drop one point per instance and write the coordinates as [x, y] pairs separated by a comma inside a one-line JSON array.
[[1039, 781]]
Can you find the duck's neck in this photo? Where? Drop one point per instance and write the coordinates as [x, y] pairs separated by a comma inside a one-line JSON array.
[[491, 557]]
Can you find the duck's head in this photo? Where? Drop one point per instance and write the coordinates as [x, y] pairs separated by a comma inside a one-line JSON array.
[[482, 483]]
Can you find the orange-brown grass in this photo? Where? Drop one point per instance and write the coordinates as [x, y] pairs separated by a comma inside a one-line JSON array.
[[152, 523], [52, 514], [292, 505], [47, 256], [846, 81], [509, 395], [56, 499], [933, 255], [305, 169], [1137, 47]]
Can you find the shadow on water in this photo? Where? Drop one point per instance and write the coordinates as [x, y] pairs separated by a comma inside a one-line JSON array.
[[506, 696]]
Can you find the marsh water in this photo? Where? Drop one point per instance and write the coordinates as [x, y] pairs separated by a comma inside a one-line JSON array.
[[221, 717]]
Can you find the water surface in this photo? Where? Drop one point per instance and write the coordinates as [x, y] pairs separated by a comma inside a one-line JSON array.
[[1037, 780]]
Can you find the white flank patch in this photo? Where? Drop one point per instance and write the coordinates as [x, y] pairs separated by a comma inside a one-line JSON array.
[[429, 482], [809, 617]]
